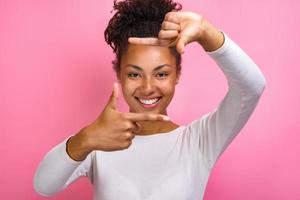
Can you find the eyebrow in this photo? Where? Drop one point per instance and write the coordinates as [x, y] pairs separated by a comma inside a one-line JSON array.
[[155, 69]]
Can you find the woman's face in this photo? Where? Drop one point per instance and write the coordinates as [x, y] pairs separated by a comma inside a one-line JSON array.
[[148, 77]]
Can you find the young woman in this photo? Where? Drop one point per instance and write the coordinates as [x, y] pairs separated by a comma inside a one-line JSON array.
[[142, 154]]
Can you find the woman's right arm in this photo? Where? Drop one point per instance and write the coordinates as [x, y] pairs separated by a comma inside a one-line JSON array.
[[72, 158], [57, 170]]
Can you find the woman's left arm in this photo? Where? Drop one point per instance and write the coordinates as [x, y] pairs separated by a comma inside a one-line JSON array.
[[215, 130]]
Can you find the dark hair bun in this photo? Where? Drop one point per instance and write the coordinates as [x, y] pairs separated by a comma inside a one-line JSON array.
[[138, 18]]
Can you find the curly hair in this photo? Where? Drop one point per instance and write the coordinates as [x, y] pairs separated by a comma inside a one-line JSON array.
[[137, 18]]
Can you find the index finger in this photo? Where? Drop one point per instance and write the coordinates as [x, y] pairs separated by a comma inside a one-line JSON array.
[[148, 41], [135, 117]]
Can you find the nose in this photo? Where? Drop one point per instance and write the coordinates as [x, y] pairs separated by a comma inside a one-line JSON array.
[[147, 87]]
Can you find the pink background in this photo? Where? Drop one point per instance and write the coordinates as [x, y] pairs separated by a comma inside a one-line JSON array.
[[56, 76]]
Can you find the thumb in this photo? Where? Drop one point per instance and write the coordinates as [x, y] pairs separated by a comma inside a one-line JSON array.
[[181, 43], [112, 102]]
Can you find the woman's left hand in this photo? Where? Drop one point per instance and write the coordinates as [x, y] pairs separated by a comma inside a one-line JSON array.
[[181, 28], [178, 28]]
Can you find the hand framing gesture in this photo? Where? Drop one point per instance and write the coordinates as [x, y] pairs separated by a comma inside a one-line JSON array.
[[178, 29], [111, 131]]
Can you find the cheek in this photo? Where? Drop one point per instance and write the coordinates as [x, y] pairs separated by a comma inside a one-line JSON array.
[[167, 88], [128, 87]]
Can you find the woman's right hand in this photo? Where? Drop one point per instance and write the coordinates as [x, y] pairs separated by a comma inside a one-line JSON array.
[[111, 131]]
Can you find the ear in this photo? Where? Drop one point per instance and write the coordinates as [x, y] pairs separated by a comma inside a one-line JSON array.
[[178, 77], [118, 76]]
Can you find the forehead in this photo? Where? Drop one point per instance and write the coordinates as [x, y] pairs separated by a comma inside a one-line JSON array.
[[147, 57]]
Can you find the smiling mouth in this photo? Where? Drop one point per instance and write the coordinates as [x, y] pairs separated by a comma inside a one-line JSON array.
[[148, 103]]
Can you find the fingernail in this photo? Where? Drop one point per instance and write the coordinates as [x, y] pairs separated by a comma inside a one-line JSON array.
[[166, 118]]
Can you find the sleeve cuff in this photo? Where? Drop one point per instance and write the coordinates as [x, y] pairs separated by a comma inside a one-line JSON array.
[[62, 148], [220, 51]]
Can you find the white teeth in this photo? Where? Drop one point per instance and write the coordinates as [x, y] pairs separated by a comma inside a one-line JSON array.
[[148, 101]]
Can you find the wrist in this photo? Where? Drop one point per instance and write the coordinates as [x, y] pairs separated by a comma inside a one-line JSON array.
[[83, 140], [77, 146], [210, 38]]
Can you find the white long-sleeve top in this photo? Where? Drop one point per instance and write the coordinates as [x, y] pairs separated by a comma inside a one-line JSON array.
[[174, 165]]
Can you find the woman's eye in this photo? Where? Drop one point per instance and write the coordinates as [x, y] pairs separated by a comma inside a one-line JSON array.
[[161, 75], [133, 75]]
